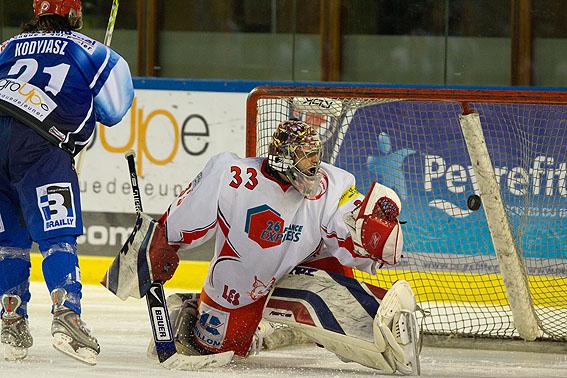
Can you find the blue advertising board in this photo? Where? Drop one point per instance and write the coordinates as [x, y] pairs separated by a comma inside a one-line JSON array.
[[417, 148]]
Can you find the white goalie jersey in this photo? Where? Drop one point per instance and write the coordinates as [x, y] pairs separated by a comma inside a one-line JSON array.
[[264, 228]]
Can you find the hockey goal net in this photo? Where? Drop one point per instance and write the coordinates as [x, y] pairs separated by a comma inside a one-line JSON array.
[[497, 271]]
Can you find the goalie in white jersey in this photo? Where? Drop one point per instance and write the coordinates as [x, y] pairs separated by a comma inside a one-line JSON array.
[[286, 228]]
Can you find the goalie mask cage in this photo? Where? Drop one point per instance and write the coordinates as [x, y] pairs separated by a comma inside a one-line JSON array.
[[498, 271]]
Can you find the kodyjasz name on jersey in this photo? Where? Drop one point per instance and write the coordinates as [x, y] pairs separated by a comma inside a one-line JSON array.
[[52, 46]]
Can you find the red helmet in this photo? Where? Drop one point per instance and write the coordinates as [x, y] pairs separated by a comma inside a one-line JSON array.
[[64, 8]]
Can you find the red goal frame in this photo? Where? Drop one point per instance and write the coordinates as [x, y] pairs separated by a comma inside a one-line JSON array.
[[462, 95]]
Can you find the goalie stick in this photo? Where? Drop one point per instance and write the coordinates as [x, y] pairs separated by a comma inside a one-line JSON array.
[[162, 332], [107, 40], [157, 307]]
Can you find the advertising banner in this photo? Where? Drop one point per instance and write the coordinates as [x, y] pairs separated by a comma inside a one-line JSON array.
[[173, 134], [417, 148]]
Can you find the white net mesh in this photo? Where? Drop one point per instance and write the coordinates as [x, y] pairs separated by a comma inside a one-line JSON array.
[[417, 148]]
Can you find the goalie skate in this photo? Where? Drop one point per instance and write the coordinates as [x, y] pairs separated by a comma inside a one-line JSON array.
[[397, 324], [15, 334], [407, 336]]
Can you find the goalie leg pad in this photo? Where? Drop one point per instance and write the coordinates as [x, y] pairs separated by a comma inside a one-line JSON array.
[[335, 311], [350, 349]]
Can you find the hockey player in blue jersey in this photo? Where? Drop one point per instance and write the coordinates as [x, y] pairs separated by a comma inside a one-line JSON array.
[[55, 84]]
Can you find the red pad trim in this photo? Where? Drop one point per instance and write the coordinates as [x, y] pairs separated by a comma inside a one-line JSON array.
[[377, 291]]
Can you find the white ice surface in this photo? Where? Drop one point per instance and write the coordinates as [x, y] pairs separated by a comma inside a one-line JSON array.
[[123, 331]]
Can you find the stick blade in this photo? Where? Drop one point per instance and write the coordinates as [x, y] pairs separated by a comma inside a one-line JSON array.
[[182, 362]]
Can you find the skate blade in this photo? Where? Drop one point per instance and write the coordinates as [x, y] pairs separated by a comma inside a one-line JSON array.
[[12, 353], [183, 362], [62, 343]]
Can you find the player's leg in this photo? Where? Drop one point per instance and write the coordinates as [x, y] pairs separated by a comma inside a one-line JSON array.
[[48, 191], [14, 285], [203, 329], [15, 244], [203, 326], [220, 329], [354, 320]]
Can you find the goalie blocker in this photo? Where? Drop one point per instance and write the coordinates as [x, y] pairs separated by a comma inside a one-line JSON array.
[[146, 257]]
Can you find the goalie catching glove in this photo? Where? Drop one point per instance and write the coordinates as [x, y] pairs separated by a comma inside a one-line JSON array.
[[146, 257], [374, 226]]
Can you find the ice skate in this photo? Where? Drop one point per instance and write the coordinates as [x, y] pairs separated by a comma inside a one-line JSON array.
[[15, 333], [70, 334]]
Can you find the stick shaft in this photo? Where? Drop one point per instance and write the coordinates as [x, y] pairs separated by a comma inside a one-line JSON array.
[[155, 298], [134, 183], [111, 22]]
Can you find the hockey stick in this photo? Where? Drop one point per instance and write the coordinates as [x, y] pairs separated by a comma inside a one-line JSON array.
[[159, 316], [111, 22], [107, 40], [157, 307]]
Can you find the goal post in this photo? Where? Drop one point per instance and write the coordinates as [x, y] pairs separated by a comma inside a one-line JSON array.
[[497, 271], [512, 268]]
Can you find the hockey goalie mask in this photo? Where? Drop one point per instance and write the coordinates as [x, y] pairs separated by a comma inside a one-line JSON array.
[[70, 9], [295, 152]]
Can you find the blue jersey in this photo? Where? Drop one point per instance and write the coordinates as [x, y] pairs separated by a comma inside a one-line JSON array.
[[61, 84]]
